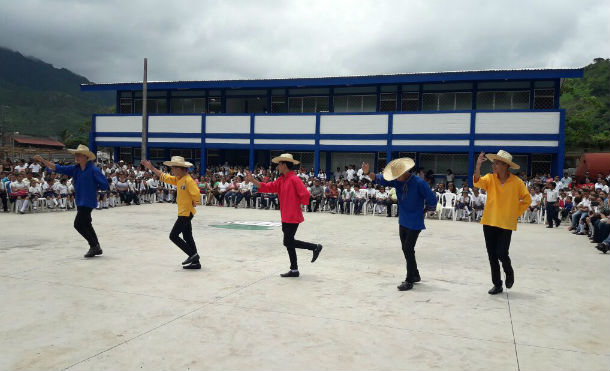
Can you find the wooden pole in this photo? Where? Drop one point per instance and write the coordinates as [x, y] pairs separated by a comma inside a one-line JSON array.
[[144, 155]]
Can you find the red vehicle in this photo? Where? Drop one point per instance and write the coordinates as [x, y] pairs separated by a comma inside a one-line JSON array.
[[594, 164]]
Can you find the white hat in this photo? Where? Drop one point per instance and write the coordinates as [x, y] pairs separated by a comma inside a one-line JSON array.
[[177, 161], [287, 157], [397, 167], [504, 157], [83, 150]]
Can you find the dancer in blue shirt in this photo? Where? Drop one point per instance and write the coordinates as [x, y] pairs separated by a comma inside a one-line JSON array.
[[87, 179], [414, 197]]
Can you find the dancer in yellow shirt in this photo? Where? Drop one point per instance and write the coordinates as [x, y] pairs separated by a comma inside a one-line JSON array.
[[187, 197], [507, 199]]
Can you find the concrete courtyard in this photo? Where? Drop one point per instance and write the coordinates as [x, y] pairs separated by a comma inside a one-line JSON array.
[[134, 307]]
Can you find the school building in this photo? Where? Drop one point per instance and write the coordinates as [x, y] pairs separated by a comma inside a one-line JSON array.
[[442, 120]]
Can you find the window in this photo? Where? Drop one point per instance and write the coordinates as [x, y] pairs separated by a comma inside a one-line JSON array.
[[186, 153], [154, 105], [446, 101], [410, 101], [278, 104], [156, 153], [440, 162], [125, 106], [188, 105], [214, 105], [308, 104], [503, 100], [355, 103], [387, 102], [544, 98]]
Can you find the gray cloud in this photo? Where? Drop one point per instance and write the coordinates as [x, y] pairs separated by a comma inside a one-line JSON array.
[[199, 40]]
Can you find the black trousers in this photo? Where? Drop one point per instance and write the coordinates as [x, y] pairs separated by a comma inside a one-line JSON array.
[[186, 243], [82, 223], [551, 214], [290, 229], [4, 201], [408, 239], [497, 241]]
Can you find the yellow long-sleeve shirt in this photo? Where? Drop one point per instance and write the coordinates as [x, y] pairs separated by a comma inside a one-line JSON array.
[[505, 202], [187, 192]]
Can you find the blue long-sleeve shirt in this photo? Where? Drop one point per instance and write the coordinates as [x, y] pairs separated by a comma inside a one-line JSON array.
[[411, 205], [86, 182]]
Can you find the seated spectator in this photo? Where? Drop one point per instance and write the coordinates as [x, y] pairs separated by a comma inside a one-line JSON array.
[[345, 199], [579, 215], [478, 203], [18, 191], [463, 204], [381, 197], [392, 199], [316, 194], [360, 199], [332, 196], [244, 191], [535, 205]]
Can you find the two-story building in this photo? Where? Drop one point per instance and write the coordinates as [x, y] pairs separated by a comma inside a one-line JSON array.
[[442, 120]]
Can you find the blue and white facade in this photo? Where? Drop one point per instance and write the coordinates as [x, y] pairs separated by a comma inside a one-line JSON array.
[[442, 120]]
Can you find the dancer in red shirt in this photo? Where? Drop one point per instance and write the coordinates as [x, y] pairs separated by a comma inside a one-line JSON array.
[[292, 194]]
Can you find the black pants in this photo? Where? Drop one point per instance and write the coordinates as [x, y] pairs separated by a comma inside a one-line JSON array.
[[4, 201], [497, 241], [408, 238], [186, 243], [290, 229], [82, 223], [551, 214]]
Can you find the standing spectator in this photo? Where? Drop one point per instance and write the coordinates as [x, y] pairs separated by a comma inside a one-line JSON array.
[[551, 199]]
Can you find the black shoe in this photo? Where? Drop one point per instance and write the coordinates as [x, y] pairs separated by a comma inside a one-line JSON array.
[[405, 286], [416, 279], [191, 259], [495, 290], [510, 280], [549, 226], [290, 273], [316, 252], [193, 265], [557, 225], [93, 251]]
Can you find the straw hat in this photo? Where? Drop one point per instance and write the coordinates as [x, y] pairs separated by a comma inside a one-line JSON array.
[[287, 157], [503, 156], [83, 150], [397, 167], [177, 161]]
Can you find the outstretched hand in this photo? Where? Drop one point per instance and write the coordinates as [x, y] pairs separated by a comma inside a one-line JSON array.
[[147, 164], [481, 158]]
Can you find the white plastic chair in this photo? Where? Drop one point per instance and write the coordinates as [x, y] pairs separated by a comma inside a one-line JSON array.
[[448, 203]]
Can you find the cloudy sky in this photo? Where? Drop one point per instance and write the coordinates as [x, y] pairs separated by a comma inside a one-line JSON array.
[[106, 41]]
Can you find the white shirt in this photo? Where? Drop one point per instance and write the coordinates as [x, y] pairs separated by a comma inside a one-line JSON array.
[[21, 169], [62, 189], [17, 186], [599, 186], [536, 199], [478, 200], [362, 194], [362, 176], [551, 195], [350, 174], [245, 187], [585, 202], [36, 190], [381, 195], [222, 187], [152, 183], [35, 167]]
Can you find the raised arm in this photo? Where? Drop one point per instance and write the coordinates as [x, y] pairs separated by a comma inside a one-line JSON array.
[[147, 164], [46, 163], [477, 169], [366, 170]]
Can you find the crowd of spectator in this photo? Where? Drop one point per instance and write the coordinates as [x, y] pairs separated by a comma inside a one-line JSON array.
[[26, 186]]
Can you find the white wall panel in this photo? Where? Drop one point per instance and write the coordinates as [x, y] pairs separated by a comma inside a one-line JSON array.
[[227, 124], [430, 142], [517, 123], [174, 124], [114, 124], [285, 141], [438, 123], [232, 141], [325, 142], [285, 124], [353, 124]]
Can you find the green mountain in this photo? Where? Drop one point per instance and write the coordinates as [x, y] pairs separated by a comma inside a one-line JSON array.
[[587, 105], [39, 99]]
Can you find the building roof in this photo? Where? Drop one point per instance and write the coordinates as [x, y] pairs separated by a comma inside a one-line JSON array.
[[403, 78], [38, 141]]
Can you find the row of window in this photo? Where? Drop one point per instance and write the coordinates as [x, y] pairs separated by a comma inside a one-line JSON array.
[[388, 102]]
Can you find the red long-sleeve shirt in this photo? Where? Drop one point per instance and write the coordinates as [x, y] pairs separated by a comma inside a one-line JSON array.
[[292, 193]]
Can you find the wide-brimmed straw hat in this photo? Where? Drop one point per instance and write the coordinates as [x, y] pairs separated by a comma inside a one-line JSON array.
[[397, 167], [83, 150], [503, 156], [287, 157], [177, 161]]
